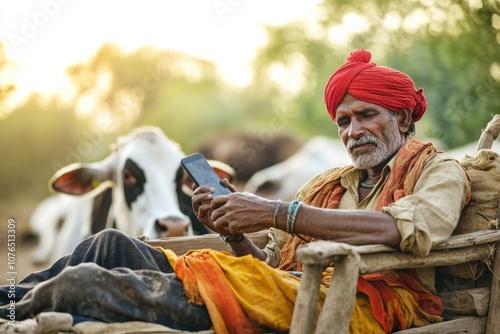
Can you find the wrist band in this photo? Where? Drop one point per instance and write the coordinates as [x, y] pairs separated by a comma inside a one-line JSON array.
[[276, 209], [293, 208], [232, 238]]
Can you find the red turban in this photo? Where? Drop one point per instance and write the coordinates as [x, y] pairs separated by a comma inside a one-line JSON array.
[[370, 83]]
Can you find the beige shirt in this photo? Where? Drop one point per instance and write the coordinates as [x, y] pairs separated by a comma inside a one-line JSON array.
[[424, 219]]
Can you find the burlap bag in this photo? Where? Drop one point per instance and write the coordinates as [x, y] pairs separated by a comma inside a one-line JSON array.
[[482, 211]]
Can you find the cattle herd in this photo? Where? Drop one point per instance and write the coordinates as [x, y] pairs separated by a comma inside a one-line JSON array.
[[141, 188]]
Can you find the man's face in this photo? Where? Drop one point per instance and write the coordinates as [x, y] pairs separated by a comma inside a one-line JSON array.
[[370, 132]]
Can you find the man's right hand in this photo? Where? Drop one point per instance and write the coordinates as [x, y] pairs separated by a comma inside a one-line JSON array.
[[202, 197]]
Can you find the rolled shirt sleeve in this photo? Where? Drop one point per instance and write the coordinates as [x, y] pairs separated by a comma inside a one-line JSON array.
[[429, 216]]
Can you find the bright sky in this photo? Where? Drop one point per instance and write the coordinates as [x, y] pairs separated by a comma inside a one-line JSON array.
[[43, 37]]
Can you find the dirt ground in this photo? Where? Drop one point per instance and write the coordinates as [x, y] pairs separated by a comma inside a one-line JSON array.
[[15, 216]]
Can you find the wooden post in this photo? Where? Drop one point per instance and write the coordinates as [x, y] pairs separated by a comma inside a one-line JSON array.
[[493, 320], [306, 304], [336, 313]]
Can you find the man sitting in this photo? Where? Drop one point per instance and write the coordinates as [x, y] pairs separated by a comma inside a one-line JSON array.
[[399, 191]]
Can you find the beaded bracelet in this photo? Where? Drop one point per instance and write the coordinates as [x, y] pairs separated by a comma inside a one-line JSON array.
[[293, 208], [276, 209]]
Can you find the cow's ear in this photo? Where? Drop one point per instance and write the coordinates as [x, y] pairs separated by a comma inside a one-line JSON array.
[[223, 170], [82, 179]]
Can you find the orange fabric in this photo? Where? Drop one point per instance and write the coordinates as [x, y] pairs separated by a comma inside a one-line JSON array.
[[236, 289], [326, 193], [224, 309], [186, 275], [407, 168], [399, 301], [388, 88]]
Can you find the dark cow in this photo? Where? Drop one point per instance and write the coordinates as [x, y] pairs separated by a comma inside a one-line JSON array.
[[248, 153], [141, 184]]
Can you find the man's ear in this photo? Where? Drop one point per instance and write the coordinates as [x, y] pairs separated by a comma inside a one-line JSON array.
[[403, 117]]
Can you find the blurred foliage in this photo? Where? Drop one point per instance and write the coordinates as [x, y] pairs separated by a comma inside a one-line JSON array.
[[181, 94], [39, 138], [116, 92], [451, 48]]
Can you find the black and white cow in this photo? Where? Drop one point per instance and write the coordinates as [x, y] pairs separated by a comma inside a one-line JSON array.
[[147, 188], [60, 221]]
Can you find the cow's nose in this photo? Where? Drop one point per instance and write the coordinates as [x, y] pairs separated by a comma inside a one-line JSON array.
[[172, 227]]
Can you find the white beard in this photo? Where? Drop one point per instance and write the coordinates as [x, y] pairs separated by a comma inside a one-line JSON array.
[[384, 149]]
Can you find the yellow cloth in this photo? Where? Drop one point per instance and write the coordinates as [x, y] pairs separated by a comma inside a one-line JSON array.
[[266, 295], [241, 291]]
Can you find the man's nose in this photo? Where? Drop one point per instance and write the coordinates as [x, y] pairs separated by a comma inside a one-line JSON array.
[[355, 129]]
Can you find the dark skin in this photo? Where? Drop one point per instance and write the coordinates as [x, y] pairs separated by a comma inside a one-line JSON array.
[[242, 212]]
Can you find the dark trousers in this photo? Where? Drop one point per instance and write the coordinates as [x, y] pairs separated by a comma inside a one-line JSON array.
[[109, 277]]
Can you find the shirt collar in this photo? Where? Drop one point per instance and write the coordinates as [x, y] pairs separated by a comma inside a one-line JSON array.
[[352, 177]]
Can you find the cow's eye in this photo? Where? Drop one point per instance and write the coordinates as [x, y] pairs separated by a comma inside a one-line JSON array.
[[128, 177]]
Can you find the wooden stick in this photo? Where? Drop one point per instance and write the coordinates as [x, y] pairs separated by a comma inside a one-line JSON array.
[[489, 134]]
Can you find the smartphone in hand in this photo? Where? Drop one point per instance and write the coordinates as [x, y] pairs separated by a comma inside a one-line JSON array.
[[203, 174]]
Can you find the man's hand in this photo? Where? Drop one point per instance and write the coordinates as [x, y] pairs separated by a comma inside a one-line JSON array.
[[239, 213], [201, 203]]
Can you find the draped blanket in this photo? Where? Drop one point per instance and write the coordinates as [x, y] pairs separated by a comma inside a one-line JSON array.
[[245, 295]]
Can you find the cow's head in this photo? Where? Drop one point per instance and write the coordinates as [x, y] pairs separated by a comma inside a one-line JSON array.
[[142, 171]]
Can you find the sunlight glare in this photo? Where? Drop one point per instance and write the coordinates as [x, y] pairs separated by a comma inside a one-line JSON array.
[[43, 41]]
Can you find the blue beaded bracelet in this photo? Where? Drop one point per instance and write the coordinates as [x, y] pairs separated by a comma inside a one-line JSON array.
[[293, 208]]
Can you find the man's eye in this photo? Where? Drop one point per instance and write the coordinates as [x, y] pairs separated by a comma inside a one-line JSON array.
[[342, 122]]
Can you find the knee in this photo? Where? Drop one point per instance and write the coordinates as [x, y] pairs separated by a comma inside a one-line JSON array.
[[112, 239], [110, 234], [78, 272]]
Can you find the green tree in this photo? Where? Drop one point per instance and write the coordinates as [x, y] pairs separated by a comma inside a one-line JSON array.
[[39, 137], [451, 48], [179, 93]]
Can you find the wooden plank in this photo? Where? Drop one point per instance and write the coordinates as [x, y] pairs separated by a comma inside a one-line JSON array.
[[323, 252], [493, 322], [470, 239], [304, 311], [181, 245], [466, 325], [328, 250], [385, 261]]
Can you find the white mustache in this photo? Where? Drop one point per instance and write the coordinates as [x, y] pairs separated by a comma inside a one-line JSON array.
[[367, 139]]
